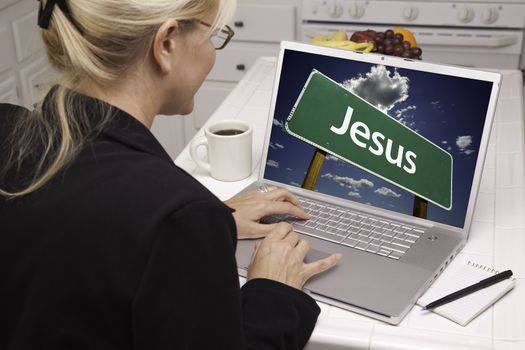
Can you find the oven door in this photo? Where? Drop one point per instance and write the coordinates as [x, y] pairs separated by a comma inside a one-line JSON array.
[[492, 48]]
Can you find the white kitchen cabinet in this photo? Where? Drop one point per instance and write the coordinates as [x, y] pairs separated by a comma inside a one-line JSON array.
[[24, 69], [8, 90], [36, 79], [259, 26]]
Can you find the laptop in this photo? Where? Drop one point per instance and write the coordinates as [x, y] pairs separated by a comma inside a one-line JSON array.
[[386, 154]]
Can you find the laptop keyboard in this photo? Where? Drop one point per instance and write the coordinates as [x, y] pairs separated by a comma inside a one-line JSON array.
[[356, 230]]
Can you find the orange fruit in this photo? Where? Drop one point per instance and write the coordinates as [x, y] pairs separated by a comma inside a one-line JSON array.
[[407, 35]]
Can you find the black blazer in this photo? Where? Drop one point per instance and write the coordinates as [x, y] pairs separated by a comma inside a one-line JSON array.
[[125, 250]]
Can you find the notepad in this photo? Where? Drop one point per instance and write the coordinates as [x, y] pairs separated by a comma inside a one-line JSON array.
[[465, 309]]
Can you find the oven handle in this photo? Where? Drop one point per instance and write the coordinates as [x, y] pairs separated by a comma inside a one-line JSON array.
[[492, 41]]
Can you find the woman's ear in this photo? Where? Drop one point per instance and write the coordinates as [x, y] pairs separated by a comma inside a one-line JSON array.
[[164, 45]]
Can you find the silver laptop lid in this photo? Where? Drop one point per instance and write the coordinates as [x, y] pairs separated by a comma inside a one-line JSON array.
[[422, 117]]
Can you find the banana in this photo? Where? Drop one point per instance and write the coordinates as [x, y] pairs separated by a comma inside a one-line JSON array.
[[318, 39], [348, 45]]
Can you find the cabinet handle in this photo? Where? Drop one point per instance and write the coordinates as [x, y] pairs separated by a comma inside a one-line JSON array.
[[238, 24], [240, 67]]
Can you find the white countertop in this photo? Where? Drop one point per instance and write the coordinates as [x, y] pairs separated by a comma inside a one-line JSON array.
[[497, 236]]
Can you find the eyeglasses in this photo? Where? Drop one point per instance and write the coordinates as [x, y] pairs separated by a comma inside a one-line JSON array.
[[221, 37]]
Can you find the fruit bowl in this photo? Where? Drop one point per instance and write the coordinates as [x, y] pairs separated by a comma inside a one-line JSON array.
[[395, 42]]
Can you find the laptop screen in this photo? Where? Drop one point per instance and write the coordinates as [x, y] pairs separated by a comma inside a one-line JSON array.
[[410, 139]]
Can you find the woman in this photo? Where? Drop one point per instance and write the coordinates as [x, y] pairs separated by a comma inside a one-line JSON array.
[[104, 242]]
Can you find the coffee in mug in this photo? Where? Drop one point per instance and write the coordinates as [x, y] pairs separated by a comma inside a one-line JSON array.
[[228, 132], [229, 147]]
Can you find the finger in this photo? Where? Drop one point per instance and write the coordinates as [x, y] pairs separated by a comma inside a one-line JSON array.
[[272, 208], [302, 248], [258, 230], [321, 265], [255, 250], [280, 231], [292, 237], [282, 194]]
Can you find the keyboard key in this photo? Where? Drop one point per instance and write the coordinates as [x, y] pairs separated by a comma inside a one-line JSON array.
[[332, 223], [311, 224], [372, 248], [364, 233], [413, 234], [350, 242], [395, 255], [377, 225], [322, 221], [376, 235], [367, 227], [375, 241], [399, 230], [378, 231], [365, 239], [321, 227], [401, 236], [384, 252], [324, 235], [300, 222], [341, 233], [354, 236], [388, 234], [399, 244], [361, 245], [331, 230], [394, 248], [346, 221], [347, 216]]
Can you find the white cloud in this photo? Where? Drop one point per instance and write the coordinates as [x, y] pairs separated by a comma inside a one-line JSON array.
[[464, 143], [272, 163], [444, 142], [380, 87], [354, 194], [332, 158], [400, 112], [276, 146], [349, 182], [405, 117], [387, 192], [289, 169], [277, 122]]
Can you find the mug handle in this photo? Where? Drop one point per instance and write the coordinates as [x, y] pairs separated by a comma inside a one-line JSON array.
[[195, 144]]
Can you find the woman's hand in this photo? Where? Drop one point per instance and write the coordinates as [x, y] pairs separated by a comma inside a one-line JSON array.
[[250, 207], [280, 257]]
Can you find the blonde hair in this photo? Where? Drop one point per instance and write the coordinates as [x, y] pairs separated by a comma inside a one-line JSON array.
[[108, 36]]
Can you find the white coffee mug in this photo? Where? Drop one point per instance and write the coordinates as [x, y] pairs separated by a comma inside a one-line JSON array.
[[229, 148]]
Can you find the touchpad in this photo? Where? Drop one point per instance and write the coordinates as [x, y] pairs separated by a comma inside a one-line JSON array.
[[314, 255]]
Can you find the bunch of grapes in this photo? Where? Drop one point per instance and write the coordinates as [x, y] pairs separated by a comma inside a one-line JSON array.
[[390, 43]]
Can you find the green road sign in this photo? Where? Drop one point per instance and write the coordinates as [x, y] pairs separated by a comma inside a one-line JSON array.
[[341, 123]]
